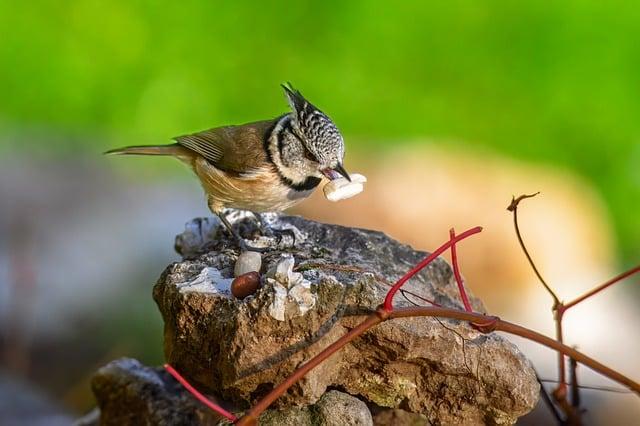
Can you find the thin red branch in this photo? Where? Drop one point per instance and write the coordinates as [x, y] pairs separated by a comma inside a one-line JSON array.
[[252, 415], [388, 301], [193, 391], [482, 322], [518, 330], [610, 389], [382, 314], [456, 272], [561, 390], [598, 289]]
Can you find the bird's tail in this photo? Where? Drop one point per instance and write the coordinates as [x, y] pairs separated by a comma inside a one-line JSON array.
[[173, 149]]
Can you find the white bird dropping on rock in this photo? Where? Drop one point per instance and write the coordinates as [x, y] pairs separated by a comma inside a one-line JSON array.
[[248, 261], [341, 188], [291, 289]]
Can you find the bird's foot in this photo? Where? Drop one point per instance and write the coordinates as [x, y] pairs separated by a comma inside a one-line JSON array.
[[246, 247], [241, 241], [278, 234]]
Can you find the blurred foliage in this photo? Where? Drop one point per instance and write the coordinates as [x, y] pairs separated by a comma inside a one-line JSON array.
[[554, 82]]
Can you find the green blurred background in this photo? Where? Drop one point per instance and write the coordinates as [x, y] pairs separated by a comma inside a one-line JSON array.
[[555, 82], [548, 83]]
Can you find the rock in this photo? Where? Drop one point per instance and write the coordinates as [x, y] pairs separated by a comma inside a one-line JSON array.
[[341, 409], [333, 409], [92, 418], [240, 349], [129, 393], [196, 234], [248, 261], [397, 417]]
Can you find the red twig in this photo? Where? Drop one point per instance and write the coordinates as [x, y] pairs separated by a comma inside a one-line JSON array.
[[482, 322], [571, 409], [382, 314], [561, 390], [601, 287], [387, 311], [560, 393], [215, 407], [511, 328], [388, 301], [252, 415], [456, 272]]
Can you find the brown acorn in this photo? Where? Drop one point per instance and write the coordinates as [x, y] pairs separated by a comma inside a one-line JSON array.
[[245, 285]]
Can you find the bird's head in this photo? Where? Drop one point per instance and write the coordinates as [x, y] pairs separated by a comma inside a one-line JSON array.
[[322, 140]]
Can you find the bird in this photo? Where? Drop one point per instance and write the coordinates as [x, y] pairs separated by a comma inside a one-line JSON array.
[[262, 166]]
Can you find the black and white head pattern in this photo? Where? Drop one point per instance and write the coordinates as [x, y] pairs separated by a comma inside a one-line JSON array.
[[319, 134]]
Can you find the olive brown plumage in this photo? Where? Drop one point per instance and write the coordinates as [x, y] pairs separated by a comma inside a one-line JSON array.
[[262, 166]]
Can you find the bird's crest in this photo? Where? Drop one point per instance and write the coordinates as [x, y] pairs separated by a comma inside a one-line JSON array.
[[296, 100]]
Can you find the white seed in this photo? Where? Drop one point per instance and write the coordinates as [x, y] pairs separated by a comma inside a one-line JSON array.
[[248, 261], [341, 188]]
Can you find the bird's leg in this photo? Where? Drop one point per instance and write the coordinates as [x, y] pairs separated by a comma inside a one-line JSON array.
[[271, 232], [241, 242], [218, 211]]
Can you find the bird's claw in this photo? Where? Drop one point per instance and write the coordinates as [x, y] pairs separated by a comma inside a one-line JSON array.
[[246, 247], [279, 233]]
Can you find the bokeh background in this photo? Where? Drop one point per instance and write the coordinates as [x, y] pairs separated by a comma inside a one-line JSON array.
[[449, 108]]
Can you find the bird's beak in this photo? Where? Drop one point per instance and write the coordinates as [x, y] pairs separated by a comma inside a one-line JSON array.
[[336, 172], [340, 169]]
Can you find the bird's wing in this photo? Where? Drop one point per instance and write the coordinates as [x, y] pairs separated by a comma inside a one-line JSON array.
[[238, 149]]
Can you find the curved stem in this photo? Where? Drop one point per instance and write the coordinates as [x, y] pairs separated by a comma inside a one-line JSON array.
[[601, 287], [212, 405], [456, 273], [513, 207], [252, 415], [507, 327], [430, 311], [388, 301], [562, 374]]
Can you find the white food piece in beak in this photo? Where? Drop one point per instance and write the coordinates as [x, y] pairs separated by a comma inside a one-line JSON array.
[[341, 188]]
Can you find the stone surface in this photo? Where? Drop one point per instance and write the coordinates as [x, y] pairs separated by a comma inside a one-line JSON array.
[[333, 409], [129, 393], [397, 417], [237, 349]]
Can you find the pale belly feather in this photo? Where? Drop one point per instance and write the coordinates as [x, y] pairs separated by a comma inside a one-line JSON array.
[[259, 191]]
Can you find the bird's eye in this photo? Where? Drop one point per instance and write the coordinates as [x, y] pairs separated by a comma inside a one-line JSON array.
[[309, 155]]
